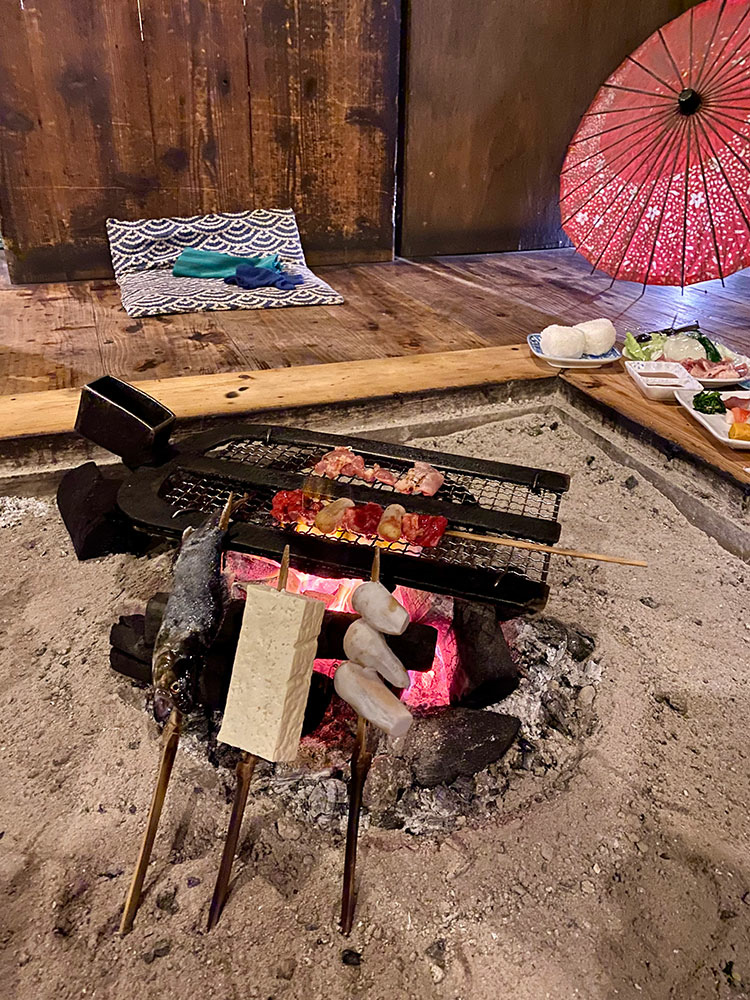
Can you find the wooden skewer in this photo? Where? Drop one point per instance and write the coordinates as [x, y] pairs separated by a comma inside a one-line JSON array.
[[245, 768], [171, 741], [360, 766], [515, 543]]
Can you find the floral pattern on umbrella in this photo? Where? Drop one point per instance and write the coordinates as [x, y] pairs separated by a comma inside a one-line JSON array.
[[656, 182]]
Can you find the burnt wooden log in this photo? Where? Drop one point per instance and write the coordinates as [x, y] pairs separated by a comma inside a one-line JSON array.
[[485, 673], [456, 742], [132, 640]]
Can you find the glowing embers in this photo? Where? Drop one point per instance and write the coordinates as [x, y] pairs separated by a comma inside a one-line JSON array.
[[428, 689]]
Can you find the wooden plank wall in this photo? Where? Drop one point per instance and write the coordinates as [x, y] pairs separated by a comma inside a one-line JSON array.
[[141, 108], [495, 91]]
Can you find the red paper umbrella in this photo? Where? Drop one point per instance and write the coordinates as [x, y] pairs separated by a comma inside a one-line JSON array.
[[656, 184]]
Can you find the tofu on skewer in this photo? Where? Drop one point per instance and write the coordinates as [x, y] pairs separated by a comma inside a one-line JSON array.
[[271, 675]]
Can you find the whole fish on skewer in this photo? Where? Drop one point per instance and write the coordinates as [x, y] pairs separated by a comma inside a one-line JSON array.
[[192, 619], [193, 615]]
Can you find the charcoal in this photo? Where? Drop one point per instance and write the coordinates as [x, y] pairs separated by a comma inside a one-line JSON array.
[[486, 672], [318, 700], [87, 501], [128, 666], [456, 742], [128, 636], [415, 648]]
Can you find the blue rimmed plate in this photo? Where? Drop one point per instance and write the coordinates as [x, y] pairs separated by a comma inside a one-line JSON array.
[[587, 361]]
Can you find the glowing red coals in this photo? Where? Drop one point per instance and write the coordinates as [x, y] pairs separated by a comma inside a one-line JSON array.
[[428, 689]]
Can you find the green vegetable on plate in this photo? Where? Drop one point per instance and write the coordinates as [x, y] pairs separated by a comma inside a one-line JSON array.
[[708, 401]]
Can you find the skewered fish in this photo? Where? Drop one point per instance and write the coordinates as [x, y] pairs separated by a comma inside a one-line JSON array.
[[193, 614]]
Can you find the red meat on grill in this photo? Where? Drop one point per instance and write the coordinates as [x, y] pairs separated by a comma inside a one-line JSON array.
[[363, 519], [423, 529], [290, 506]]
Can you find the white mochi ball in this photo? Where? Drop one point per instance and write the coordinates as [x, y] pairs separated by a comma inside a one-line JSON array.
[[562, 341], [599, 335]]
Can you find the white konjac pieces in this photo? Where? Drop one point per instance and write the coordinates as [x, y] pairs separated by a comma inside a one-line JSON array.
[[363, 689], [271, 674], [366, 646], [380, 608], [358, 679]]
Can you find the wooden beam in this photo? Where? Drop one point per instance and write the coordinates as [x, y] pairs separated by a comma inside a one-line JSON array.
[[243, 392]]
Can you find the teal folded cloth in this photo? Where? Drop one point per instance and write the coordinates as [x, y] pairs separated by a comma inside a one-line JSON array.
[[193, 263]]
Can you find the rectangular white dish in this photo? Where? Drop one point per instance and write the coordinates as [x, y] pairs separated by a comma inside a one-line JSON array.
[[659, 379]]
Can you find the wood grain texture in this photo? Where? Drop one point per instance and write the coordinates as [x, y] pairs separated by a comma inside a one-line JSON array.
[[219, 106], [244, 392], [74, 136], [495, 91], [323, 90], [391, 309], [199, 106]]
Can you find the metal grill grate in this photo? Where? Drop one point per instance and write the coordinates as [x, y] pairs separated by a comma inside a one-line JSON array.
[[188, 492], [482, 497], [459, 488]]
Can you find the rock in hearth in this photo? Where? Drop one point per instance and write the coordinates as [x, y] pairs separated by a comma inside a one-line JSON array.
[[458, 741]]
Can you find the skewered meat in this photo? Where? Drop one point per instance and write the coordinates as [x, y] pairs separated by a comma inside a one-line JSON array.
[[363, 519], [390, 523], [340, 462], [290, 506], [193, 614], [380, 608], [421, 478], [363, 689], [271, 674], [384, 475], [330, 517], [366, 646], [423, 529]]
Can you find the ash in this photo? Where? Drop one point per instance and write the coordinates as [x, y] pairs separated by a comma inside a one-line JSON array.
[[15, 510], [555, 702]]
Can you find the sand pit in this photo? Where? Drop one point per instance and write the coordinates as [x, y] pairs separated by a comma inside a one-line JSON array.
[[625, 874]]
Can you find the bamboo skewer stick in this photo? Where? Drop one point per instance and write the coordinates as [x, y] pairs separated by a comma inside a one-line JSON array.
[[171, 741], [516, 543], [360, 766], [245, 768]]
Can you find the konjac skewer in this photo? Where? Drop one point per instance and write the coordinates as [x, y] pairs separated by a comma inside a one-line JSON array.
[[267, 695], [358, 682], [191, 621]]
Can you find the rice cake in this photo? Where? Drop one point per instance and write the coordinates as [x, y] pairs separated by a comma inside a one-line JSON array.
[[271, 674]]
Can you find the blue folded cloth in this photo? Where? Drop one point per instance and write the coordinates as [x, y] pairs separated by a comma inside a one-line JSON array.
[[250, 276]]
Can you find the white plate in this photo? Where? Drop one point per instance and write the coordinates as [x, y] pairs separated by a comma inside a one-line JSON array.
[[715, 423], [587, 361], [722, 383]]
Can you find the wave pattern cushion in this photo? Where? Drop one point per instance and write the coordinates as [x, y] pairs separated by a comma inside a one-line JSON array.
[[143, 253]]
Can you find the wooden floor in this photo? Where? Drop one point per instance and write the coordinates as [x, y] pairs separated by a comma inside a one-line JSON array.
[[63, 335]]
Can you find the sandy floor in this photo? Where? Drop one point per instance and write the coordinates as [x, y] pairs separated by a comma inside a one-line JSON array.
[[628, 878]]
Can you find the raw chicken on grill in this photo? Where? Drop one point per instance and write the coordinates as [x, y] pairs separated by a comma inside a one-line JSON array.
[[340, 462], [421, 478]]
